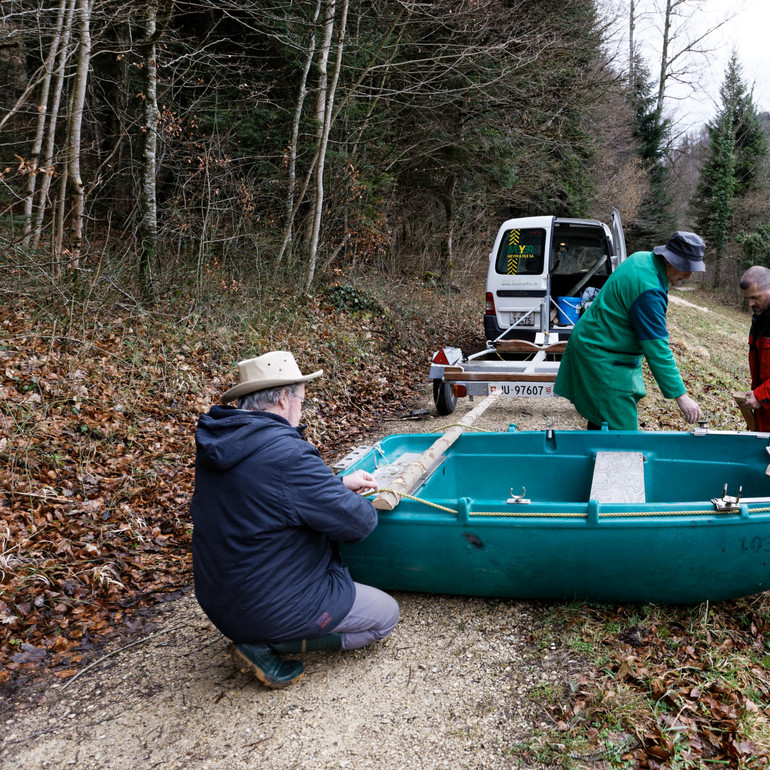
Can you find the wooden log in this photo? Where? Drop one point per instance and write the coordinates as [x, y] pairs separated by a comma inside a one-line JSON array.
[[524, 346], [746, 411], [406, 483], [457, 374]]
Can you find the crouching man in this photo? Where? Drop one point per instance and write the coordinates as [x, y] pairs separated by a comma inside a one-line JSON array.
[[267, 512]]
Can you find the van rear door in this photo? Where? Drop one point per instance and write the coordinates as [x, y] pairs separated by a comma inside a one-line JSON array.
[[618, 238], [517, 280]]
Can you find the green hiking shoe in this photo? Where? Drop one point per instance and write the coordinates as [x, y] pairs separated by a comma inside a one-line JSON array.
[[267, 665], [312, 643]]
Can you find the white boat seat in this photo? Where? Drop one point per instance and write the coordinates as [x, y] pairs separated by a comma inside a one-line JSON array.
[[618, 477]]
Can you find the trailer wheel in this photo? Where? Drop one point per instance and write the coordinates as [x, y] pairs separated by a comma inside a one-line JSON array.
[[445, 400]]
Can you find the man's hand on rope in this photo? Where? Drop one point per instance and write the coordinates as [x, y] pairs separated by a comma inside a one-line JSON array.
[[360, 482]]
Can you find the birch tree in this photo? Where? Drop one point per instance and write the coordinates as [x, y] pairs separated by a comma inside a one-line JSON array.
[[324, 113], [37, 144], [51, 115], [631, 47], [373, 63], [148, 226], [74, 130], [295, 127]]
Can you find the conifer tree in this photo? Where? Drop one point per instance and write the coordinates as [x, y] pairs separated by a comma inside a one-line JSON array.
[[655, 219], [737, 143]]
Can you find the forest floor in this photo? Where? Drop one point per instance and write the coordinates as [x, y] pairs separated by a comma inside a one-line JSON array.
[[461, 683], [456, 685]]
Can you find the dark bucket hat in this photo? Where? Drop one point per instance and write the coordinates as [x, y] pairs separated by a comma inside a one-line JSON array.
[[684, 251]]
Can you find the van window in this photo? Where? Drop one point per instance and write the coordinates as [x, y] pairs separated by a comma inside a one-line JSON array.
[[579, 254], [521, 252]]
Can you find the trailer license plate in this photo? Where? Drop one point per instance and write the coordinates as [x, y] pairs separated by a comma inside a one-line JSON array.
[[518, 318], [522, 389]]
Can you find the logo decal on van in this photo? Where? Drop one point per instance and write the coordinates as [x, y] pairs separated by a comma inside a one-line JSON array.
[[516, 250]]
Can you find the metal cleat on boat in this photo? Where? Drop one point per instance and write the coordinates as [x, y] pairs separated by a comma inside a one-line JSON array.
[[702, 429], [727, 503], [518, 499]]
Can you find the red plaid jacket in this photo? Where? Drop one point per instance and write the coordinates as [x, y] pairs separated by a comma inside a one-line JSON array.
[[759, 363]]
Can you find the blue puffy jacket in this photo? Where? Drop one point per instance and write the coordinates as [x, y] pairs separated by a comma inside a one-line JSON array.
[[266, 512]]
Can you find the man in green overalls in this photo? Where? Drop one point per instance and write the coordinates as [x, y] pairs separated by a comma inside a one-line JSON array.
[[601, 370]]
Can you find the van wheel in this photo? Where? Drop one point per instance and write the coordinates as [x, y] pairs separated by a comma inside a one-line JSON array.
[[445, 400]]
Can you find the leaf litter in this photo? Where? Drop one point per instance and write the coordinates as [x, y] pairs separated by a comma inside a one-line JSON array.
[[96, 477]]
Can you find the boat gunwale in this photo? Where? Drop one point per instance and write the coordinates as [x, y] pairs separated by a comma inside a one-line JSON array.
[[415, 507], [580, 509]]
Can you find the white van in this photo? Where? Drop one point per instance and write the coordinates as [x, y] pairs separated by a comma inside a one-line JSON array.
[[542, 268]]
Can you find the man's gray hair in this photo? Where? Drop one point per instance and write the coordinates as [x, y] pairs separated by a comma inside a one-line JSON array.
[[758, 276], [261, 399]]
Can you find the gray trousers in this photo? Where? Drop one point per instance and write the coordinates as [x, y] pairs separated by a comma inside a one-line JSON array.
[[373, 616]]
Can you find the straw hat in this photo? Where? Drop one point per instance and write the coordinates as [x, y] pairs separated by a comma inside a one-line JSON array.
[[268, 371]]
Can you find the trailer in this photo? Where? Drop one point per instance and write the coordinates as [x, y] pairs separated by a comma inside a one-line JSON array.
[[543, 271], [516, 368]]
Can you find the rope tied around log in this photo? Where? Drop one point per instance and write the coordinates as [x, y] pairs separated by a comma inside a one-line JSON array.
[[412, 497]]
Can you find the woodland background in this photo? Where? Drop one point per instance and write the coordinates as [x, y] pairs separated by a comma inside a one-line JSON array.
[[183, 184], [202, 145]]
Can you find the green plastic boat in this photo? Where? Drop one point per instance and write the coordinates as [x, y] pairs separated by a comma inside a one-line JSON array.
[[610, 516]]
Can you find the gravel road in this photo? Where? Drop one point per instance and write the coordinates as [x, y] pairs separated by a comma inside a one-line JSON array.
[[455, 686]]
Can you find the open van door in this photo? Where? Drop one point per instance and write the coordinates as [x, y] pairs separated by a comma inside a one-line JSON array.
[[618, 239]]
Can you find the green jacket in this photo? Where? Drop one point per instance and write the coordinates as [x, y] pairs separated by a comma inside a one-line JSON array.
[[601, 369]]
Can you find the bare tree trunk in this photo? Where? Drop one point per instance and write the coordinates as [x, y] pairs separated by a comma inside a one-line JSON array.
[[37, 144], [450, 209], [59, 217], [321, 123], [288, 232], [681, 47], [326, 118], [631, 27], [348, 94], [148, 228], [47, 168], [664, 57], [84, 8]]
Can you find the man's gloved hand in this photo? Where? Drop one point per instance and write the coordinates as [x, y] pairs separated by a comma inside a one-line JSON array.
[[690, 409]]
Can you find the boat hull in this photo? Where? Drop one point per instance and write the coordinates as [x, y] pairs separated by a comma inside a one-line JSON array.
[[461, 536]]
